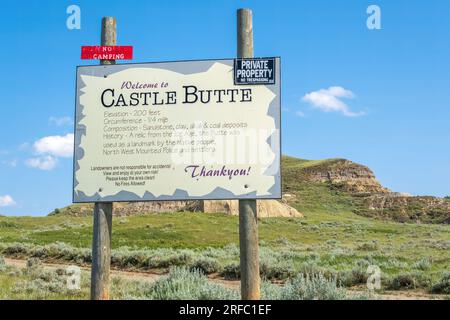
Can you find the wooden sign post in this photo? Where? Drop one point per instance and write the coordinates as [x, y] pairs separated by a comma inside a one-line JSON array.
[[248, 224], [101, 243]]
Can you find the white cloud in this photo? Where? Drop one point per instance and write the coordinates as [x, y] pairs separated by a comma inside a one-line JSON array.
[[24, 147], [7, 201], [58, 146], [330, 100], [43, 163], [11, 163], [62, 121], [300, 114]]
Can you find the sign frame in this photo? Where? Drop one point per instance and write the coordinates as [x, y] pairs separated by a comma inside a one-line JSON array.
[[105, 70]]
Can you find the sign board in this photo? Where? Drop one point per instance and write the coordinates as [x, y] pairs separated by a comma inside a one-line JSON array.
[[175, 131], [254, 71], [107, 52]]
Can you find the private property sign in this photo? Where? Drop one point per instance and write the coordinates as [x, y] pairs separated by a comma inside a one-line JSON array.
[[175, 131], [254, 71], [107, 52]]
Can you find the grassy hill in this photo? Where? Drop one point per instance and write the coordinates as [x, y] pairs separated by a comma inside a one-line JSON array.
[[335, 185], [310, 196], [333, 238]]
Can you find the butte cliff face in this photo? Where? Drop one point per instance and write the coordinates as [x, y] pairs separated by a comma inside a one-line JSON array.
[[347, 175], [266, 208], [348, 185]]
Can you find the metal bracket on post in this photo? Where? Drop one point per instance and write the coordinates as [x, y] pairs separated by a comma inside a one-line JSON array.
[[248, 223]]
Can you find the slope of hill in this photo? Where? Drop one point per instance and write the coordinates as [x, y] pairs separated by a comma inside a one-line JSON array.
[[336, 184], [311, 186]]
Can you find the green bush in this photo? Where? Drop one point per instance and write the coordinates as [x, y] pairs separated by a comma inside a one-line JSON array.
[[184, 284], [353, 277], [423, 264], [33, 263], [316, 287], [310, 268], [40, 283], [270, 291], [443, 286], [231, 271], [272, 266], [411, 280], [15, 249], [368, 246], [2, 264], [8, 224], [206, 265]]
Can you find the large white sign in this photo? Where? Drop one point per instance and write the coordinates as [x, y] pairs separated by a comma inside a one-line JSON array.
[[173, 131]]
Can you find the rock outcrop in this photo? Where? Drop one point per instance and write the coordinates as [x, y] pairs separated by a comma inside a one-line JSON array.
[[266, 208], [406, 208], [350, 176]]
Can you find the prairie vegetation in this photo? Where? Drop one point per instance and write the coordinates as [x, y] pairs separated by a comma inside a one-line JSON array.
[[326, 248]]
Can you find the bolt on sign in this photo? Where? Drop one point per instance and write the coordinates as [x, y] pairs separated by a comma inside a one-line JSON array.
[[175, 131]]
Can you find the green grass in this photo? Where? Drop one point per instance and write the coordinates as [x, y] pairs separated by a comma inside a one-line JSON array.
[[330, 239], [198, 230], [181, 283]]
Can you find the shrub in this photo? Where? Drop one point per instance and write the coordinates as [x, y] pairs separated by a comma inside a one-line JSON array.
[[270, 291], [278, 271], [2, 264], [353, 277], [183, 284], [423, 264], [411, 280], [316, 287], [282, 240], [15, 249], [276, 265], [332, 243], [33, 263], [232, 271], [443, 286], [311, 268], [368, 246], [8, 224], [206, 265], [38, 288]]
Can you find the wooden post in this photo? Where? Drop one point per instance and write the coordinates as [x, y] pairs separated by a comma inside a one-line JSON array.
[[101, 243], [248, 224]]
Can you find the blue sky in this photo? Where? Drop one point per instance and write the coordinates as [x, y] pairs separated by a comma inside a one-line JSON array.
[[388, 90]]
